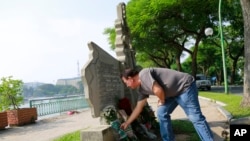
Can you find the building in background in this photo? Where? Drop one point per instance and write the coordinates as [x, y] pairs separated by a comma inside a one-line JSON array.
[[76, 82]]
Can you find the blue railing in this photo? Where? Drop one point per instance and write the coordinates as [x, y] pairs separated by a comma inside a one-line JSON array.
[[48, 106]]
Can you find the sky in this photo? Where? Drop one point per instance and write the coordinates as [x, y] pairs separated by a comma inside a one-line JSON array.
[[45, 40]]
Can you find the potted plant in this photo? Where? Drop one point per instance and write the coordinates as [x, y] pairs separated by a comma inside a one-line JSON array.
[[11, 99], [3, 120], [3, 114]]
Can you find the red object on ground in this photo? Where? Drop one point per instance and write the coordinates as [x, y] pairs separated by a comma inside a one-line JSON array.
[[124, 104]]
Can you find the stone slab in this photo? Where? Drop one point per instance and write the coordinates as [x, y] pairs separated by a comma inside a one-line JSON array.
[[97, 133], [101, 80]]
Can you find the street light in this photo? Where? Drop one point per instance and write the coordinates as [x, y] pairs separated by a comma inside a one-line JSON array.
[[209, 31]]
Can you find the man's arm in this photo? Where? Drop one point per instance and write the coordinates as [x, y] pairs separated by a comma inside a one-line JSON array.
[[136, 112], [159, 92]]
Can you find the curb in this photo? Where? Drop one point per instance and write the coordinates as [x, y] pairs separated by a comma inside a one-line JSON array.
[[220, 108], [225, 113]]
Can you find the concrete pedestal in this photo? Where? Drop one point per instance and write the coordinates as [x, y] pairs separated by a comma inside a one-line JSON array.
[[98, 133]]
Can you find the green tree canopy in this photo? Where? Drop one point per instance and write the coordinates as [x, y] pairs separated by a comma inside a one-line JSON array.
[[162, 31]]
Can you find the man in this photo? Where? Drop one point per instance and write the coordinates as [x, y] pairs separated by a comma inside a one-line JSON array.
[[172, 88]]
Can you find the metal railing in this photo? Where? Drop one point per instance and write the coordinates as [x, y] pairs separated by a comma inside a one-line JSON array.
[[48, 106]]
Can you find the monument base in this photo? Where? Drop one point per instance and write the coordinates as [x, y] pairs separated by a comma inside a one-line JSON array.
[[97, 133]]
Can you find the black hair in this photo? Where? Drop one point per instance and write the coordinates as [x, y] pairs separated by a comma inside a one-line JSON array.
[[129, 72]]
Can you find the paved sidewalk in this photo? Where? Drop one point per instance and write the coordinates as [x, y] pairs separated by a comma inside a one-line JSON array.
[[216, 118], [48, 129]]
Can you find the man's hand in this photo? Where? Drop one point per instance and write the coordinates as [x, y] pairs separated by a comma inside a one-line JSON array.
[[136, 112], [159, 92], [160, 102], [124, 125]]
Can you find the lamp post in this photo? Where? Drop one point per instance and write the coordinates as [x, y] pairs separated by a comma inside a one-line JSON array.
[[223, 50], [209, 31]]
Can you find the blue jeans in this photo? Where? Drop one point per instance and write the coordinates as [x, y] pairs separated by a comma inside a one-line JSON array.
[[189, 102]]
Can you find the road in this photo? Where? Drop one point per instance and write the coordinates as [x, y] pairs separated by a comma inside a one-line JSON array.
[[231, 89]]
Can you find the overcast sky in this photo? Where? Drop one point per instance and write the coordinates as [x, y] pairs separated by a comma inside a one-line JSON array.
[[43, 40]]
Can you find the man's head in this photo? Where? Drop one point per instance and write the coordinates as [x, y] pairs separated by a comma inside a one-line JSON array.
[[130, 78]]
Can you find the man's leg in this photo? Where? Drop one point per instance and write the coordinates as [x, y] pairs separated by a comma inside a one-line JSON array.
[[163, 114], [190, 103]]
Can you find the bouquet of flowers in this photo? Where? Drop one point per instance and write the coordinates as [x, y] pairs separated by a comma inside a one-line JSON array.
[[109, 114]]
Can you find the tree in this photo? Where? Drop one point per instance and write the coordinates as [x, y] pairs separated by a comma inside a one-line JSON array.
[[206, 58], [245, 4], [10, 93], [59, 90], [28, 91], [208, 61], [66, 89], [111, 36], [81, 88], [45, 90], [234, 37], [162, 31], [159, 27]]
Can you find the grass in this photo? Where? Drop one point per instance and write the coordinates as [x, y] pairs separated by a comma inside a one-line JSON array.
[[74, 136], [232, 102], [185, 127]]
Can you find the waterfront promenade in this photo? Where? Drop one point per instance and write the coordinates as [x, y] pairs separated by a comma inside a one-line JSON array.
[[47, 129]]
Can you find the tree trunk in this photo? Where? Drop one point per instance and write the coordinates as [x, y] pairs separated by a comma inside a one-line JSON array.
[[245, 4], [219, 77], [233, 72], [178, 61]]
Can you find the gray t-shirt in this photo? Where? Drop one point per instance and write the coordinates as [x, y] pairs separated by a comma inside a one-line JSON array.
[[173, 82]]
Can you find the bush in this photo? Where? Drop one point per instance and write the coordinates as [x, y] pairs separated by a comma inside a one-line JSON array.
[[10, 93]]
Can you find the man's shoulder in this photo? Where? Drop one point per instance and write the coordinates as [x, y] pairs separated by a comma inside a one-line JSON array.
[[145, 70]]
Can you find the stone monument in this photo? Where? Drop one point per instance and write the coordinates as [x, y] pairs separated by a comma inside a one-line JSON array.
[[101, 80], [101, 74]]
